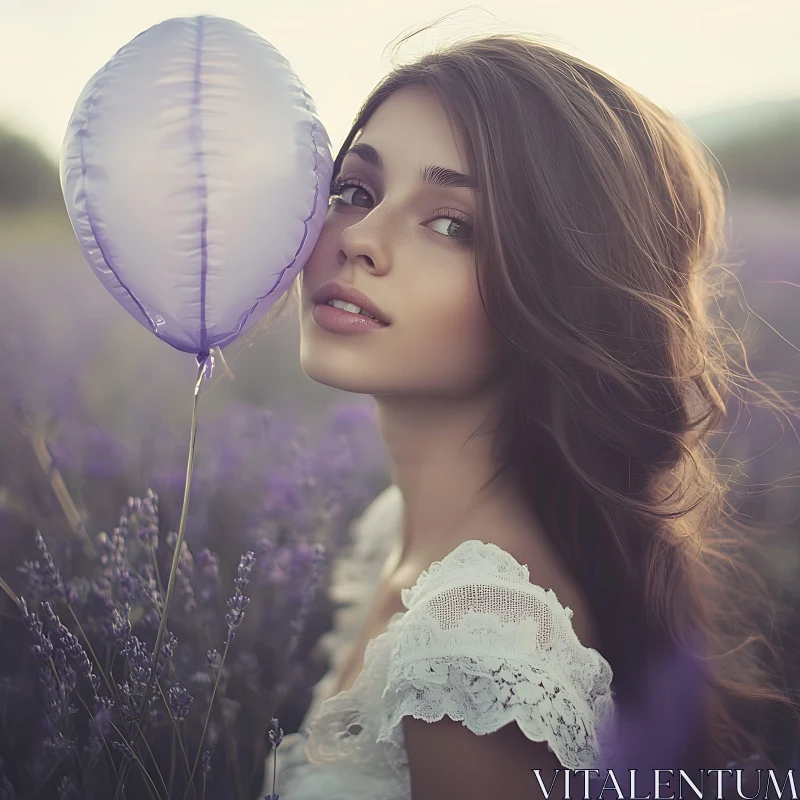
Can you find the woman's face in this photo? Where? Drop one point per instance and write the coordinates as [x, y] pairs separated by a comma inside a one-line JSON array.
[[405, 245]]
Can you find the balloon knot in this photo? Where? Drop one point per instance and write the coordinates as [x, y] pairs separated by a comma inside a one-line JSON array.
[[206, 361]]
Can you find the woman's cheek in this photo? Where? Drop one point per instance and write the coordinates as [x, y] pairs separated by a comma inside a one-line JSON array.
[[460, 333]]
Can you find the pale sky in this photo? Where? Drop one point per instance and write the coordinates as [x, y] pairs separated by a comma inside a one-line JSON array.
[[688, 55]]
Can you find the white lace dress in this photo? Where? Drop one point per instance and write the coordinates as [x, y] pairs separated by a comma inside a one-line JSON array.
[[477, 642]]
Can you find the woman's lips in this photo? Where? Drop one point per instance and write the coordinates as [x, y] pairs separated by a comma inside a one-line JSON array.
[[338, 320]]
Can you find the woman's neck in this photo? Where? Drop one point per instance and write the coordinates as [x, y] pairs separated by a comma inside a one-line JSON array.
[[442, 454]]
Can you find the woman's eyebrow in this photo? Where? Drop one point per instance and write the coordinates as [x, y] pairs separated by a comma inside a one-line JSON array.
[[431, 175]]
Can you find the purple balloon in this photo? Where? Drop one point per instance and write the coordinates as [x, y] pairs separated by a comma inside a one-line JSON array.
[[196, 175]]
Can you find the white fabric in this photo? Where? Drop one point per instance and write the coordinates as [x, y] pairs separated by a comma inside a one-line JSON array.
[[478, 642]]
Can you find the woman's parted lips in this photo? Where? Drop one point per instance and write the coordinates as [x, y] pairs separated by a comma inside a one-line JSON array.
[[337, 291]]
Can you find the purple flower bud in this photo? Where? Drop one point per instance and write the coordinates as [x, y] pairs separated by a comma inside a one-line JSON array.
[[43, 575], [169, 644], [121, 627], [239, 602], [99, 725], [178, 700], [125, 749], [56, 748], [275, 733], [44, 649], [214, 659]]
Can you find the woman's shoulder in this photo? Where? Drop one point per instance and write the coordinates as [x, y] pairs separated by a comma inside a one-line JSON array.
[[521, 573], [483, 644], [503, 572]]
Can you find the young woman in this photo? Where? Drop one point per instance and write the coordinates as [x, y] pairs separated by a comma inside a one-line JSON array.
[[526, 246]]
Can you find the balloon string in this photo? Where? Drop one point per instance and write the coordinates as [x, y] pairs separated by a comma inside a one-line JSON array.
[[205, 363]]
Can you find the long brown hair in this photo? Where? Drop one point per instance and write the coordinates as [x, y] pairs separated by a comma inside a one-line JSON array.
[[597, 243]]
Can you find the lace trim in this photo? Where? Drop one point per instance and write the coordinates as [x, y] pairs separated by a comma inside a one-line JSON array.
[[483, 645], [487, 693], [473, 554]]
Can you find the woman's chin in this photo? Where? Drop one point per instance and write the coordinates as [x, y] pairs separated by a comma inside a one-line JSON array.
[[338, 379]]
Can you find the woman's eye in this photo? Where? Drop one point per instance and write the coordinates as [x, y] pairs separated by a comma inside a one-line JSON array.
[[340, 191], [346, 192], [454, 228]]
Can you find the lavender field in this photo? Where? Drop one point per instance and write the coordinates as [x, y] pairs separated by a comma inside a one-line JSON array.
[[94, 424]]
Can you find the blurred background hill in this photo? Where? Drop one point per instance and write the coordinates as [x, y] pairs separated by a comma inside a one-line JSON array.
[[757, 144]]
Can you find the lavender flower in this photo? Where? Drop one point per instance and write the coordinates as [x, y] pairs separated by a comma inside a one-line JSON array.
[[57, 678], [275, 734], [72, 648], [239, 601], [54, 700], [168, 645], [112, 552], [179, 700], [67, 677], [124, 748], [214, 659], [99, 726], [43, 575], [143, 515], [43, 649], [121, 626], [245, 565], [114, 593], [234, 617], [132, 691], [57, 748]]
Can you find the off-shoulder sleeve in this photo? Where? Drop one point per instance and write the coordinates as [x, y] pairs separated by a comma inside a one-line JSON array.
[[483, 645]]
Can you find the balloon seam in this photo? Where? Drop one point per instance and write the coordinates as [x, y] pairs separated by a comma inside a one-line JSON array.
[[197, 133]]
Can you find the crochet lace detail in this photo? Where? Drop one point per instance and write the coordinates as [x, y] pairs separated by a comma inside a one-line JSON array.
[[483, 645]]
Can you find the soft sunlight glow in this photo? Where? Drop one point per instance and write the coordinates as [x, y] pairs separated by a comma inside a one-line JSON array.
[[687, 56]]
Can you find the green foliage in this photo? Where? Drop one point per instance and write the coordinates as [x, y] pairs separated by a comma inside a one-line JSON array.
[[28, 178], [763, 162]]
